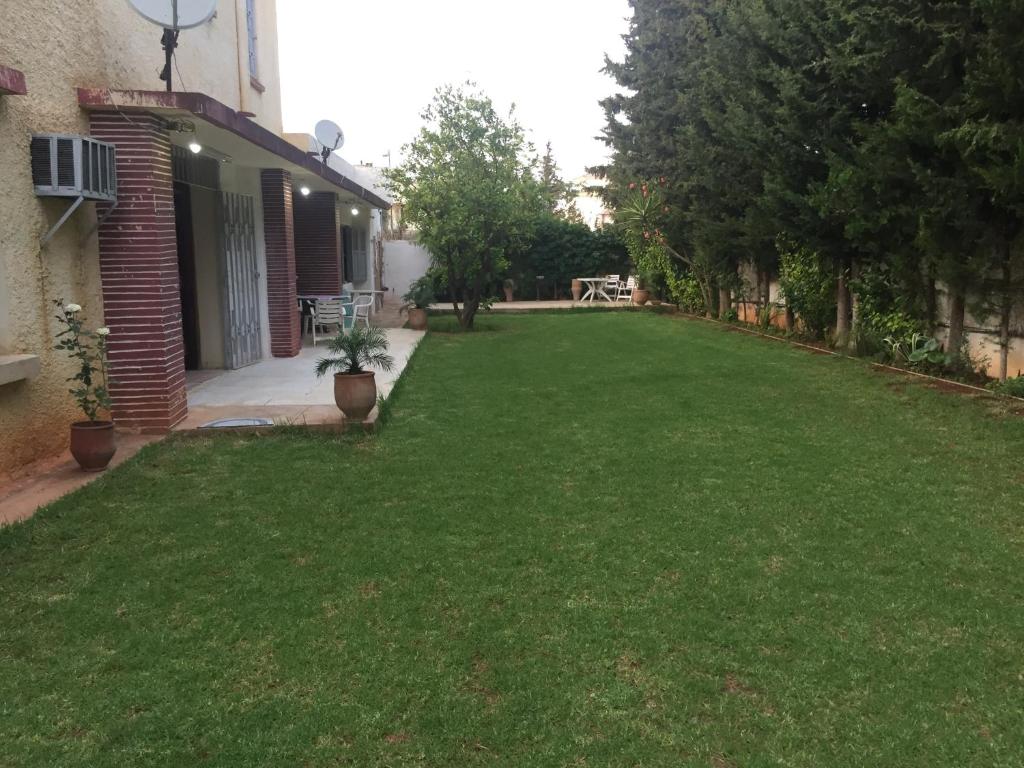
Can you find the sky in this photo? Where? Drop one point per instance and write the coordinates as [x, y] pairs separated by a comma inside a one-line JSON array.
[[373, 66]]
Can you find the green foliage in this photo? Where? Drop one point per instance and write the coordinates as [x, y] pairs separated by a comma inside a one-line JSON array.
[[807, 285], [687, 294], [355, 351], [562, 250], [875, 133], [421, 293], [1013, 387], [467, 184], [917, 350], [89, 351]]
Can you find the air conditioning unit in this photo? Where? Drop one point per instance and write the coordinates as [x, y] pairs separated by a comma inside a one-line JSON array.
[[65, 165]]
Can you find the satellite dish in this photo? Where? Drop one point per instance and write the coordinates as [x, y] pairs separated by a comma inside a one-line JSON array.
[[330, 136], [176, 14]]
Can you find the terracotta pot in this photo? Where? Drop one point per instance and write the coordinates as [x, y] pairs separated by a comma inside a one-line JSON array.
[[92, 444], [508, 295], [577, 290], [355, 394], [418, 319], [640, 296]]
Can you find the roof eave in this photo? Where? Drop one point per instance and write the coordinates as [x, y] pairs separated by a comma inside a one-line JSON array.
[[222, 116]]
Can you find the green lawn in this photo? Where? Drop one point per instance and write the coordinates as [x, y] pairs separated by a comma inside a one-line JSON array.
[[587, 540]]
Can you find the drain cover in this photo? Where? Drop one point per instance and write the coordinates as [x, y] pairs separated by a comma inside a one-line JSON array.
[[229, 423]]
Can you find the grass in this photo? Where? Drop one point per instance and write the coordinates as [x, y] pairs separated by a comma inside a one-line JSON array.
[[600, 539]]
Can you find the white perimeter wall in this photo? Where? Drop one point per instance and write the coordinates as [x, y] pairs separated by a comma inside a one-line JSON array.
[[404, 262]]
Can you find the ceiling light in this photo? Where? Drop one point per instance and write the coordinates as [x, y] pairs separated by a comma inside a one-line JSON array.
[[195, 147], [304, 190], [355, 211]]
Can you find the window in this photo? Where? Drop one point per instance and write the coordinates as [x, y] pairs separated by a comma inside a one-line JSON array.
[[250, 23]]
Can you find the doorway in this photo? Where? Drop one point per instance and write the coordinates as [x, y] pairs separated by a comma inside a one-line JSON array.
[[185, 235]]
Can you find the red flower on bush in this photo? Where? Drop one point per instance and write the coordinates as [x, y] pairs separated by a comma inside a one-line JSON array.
[[632, 185]]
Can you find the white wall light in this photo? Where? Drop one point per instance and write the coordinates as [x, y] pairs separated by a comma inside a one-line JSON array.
[[195, 147], [304, 190]]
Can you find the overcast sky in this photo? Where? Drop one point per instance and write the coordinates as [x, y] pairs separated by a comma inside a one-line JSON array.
[[372, 67]]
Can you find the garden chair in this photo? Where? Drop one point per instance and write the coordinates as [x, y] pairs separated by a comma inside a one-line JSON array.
[[330, 313], [361, 310], [611, 285], [625, 290]]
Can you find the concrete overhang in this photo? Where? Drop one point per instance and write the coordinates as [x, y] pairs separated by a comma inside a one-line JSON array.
[[232, 134], [12, 82]]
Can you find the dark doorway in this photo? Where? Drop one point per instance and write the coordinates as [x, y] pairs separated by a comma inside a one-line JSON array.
[[187, 274], [346, 254]]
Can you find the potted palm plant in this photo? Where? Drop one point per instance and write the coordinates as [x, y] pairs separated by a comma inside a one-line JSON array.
[[417, 301], [92, 441], [351, 356]]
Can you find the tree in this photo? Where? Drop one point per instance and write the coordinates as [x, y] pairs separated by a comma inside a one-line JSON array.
[[555, 191], [467, 184]]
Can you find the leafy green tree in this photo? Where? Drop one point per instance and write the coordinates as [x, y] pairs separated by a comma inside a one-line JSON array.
[[467, 184]]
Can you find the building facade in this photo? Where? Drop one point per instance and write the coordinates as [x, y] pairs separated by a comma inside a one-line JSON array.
[[220, 220]]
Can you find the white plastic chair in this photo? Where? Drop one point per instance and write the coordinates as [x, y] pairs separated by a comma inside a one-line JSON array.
[[326, 314], [361, 310], [612, 284], [626, 289]]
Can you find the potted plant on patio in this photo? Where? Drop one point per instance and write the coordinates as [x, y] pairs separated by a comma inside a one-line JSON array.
[[351, 356], [577, 289], [509, 285], [417, 301], [92, 441], [642, 292]]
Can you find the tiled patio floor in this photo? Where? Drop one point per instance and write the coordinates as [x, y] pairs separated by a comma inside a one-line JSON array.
[[285, 390]]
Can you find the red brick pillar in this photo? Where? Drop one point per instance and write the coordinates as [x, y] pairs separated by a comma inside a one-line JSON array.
[[279, 239], [139, 273]]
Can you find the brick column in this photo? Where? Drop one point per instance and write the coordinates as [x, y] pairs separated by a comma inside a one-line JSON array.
[[318, 244], [278, 236], [139, 273]]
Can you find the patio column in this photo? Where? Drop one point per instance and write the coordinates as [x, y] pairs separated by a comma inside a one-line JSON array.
[[139, 273], [278, 235]]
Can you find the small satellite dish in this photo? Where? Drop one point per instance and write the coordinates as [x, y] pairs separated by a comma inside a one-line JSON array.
[[330, 136], [176, 14]]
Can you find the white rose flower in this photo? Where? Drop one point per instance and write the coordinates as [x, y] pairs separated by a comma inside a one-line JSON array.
[[104, 331], [73, 308]]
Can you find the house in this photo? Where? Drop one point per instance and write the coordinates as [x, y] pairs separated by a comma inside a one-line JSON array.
[[201, 225]]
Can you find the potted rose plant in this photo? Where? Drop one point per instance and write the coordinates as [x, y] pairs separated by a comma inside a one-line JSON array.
[[351, 355], [92, 440], [417, 301]]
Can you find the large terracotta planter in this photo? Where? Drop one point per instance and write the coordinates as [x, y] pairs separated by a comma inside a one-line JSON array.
[[92, 444], [508, 295], [355, 394], [577, 290], [418, 319], [640, 296]]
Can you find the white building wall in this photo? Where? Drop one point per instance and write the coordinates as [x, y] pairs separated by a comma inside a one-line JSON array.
[[404, 262]]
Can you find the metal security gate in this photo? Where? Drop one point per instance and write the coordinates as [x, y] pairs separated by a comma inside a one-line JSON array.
[[242, 345]]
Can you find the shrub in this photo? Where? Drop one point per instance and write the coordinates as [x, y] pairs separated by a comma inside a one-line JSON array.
[[1013, 387], [687, 294], [808, 286]]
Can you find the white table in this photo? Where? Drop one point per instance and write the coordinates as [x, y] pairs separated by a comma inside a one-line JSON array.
[[595, 288]]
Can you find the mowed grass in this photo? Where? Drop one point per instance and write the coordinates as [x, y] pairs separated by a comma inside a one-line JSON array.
[[582, 540]]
